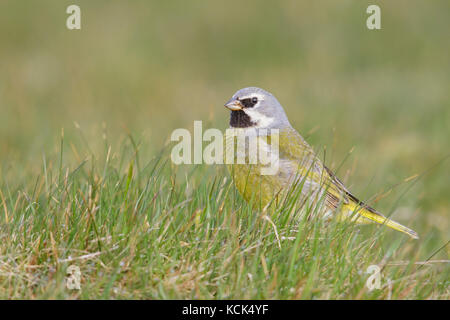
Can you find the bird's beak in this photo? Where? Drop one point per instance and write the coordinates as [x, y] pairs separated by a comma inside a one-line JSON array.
[[234, 105]]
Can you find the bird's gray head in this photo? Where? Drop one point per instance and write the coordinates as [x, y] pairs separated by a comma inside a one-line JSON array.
[[256, 108]]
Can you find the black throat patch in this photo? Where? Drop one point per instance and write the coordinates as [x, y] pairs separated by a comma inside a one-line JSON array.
[[239, 119]]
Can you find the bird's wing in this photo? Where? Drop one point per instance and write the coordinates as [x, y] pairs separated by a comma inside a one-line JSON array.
[[293, 146]]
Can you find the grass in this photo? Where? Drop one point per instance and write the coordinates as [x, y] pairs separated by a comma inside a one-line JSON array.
[[102, 196], [149, 230]]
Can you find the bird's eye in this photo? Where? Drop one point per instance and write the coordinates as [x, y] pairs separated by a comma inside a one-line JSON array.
[[249, 102]]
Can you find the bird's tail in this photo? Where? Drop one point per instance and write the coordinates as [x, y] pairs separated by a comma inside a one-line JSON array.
[[362, 213]]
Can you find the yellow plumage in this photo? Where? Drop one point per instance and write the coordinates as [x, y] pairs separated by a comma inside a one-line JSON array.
[[299, 165]]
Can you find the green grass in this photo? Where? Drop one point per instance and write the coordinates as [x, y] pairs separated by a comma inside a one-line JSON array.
[[146, 229], [106, 199]]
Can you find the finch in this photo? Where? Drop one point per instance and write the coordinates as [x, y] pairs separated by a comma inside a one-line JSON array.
[[256, 114]]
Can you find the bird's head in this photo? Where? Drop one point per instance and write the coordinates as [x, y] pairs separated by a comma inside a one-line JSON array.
[[256, 108]]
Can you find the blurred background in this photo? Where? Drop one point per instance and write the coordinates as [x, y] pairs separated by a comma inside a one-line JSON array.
[[147, 67]]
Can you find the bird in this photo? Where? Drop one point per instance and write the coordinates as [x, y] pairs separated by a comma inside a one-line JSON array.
[[255, 114]]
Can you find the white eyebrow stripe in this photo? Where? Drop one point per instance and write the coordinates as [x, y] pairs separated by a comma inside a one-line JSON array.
[[258, 95]]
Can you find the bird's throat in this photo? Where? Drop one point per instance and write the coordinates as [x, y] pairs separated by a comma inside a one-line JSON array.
[[239, 119]]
